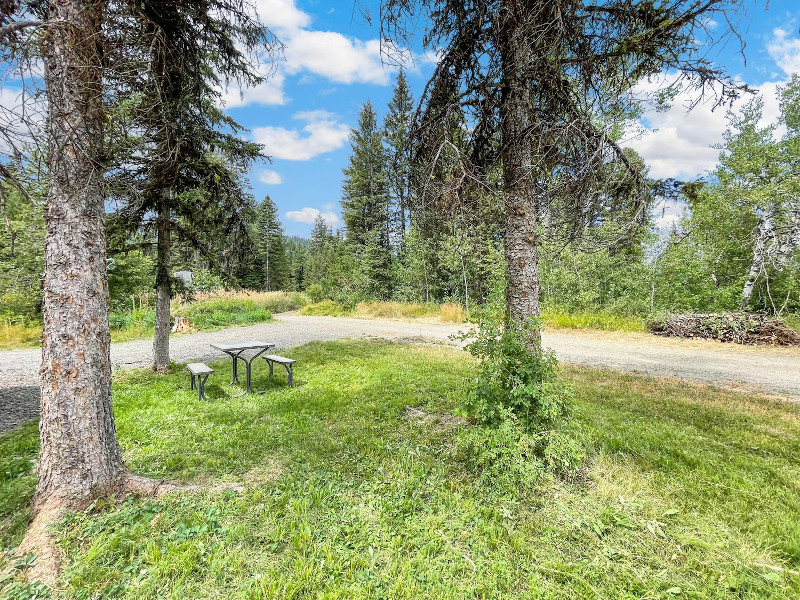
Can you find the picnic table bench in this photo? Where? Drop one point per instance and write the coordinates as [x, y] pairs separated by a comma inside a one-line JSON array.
[[288, 363], [201, 371], [237, 350]]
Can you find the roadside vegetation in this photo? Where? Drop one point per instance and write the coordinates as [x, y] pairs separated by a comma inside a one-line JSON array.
[[447, 313], [205, 311], [683, 491]]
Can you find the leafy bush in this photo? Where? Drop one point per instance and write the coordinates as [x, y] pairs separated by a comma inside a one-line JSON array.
[[205, 281], [508, 457], [517, 396], [315, 293], [512, 378]]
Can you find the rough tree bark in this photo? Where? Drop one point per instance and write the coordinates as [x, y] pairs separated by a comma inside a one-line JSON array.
[[161, 362], [80, 458], [79, 452], [519, 185]]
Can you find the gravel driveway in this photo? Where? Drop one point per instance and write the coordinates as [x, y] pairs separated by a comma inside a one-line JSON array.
[[772, 370]]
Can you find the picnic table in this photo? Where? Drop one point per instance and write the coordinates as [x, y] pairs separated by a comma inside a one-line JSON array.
[[240, 351]]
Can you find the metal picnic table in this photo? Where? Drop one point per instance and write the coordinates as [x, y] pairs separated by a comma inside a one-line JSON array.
[[236, 351]]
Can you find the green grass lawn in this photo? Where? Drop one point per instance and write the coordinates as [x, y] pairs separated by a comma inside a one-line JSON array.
[[689, 492]]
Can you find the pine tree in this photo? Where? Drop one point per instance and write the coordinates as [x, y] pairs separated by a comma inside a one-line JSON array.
[[319, 254], [397, 128], [365, 199], [270, 247]]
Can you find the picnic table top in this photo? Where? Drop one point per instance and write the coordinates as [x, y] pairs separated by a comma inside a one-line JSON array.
[[248, 345]]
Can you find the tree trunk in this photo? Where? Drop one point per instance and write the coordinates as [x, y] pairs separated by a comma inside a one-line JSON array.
[[12, 235], [763, 232], [79, 456], [521, 216], [163, 286]]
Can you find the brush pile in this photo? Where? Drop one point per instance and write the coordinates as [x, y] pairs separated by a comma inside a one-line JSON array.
[[739, 328]]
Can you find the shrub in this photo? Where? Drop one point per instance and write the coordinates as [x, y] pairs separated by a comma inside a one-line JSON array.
[[315, 293], [512, 378], [508, 457], [204, 281]]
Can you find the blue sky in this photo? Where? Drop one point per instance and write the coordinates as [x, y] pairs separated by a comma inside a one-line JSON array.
[[332, 65]]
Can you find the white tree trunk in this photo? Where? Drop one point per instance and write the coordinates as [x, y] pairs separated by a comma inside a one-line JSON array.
[[763, 233]]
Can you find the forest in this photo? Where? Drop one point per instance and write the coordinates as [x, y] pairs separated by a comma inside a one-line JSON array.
[[406, 239], [459, 439]]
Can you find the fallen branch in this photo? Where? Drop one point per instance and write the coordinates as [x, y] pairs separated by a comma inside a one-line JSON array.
[[739, 328]]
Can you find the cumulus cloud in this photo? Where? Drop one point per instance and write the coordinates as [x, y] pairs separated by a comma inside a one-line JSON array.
[[322, 133], [328, 54], [269, 92], [309, 52], [309, 215], [281, 16], [679, 142], [785, 51], [336, 57], [668, 214], [270, 177]]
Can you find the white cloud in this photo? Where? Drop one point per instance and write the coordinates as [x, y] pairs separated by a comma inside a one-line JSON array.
[[328, 206], [326, 53], [309, 215], [270, 177], [322, 133], [22, 118], [668, 213], [336, 57], [309, 52], [281, 15], [678, 142], [269, 92], [785, 51]]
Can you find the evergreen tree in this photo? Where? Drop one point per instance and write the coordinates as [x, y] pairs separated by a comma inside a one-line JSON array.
[[365, 200], [397, 130], [270, 248], [319, 253], [171, 64], [297, 255]]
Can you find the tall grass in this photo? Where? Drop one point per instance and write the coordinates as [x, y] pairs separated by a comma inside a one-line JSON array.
[[597, 320], [219, 309], [207, 311], [13, 335], [453, 313], [450, 313]]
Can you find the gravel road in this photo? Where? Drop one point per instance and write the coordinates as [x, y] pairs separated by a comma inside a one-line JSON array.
[[774, 371]]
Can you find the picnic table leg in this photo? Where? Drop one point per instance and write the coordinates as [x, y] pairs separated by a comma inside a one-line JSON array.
[[235, 358], [201, 387], [249, 363]]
